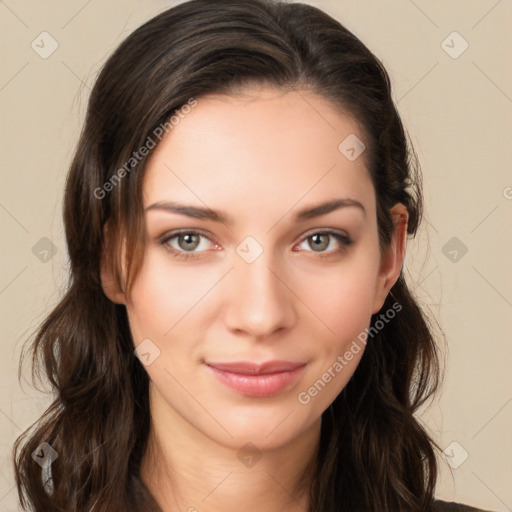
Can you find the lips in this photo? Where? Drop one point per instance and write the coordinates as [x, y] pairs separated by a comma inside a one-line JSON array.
[[248, 368], [257, 380]]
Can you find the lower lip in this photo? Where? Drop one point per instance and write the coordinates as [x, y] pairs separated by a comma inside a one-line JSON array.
[[263, 385]]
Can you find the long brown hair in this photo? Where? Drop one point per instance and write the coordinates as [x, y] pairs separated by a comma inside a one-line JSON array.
[[374, 455]]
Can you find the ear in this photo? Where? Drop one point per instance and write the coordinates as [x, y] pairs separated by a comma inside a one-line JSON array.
[[392, 258], [109, 282]]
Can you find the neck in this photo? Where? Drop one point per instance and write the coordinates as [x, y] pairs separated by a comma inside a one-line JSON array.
[[187, 471]]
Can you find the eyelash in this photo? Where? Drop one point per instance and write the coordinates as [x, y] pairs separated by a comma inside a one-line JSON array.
[[345, 241]]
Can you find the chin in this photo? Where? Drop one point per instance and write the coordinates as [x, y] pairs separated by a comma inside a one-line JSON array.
[[266, 429]]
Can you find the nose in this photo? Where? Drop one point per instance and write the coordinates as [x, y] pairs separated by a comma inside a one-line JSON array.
[[260, 303]]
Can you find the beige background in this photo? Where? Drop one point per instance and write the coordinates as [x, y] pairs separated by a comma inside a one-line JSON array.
[[458, 112]]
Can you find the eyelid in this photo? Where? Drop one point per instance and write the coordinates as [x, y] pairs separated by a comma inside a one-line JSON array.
[[182, 231], [167, 237], [340, 235], [326, 230]]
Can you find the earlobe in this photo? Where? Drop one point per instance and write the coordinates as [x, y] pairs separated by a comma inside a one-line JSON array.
[[393, 258], [109, 282], [110, 287]]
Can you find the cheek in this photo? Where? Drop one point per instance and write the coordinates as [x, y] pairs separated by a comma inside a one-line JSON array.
[[342, 298], [344, 305], [164, 295], [349, 297]]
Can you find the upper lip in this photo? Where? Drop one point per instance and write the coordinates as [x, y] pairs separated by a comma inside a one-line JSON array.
[[248, 368]]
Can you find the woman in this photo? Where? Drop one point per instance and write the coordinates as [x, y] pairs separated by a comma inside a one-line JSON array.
[[237, 331]]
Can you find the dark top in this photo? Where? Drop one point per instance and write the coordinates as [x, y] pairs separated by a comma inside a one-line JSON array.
[[444, 506]]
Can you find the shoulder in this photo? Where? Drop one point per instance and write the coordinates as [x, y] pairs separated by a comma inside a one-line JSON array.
[[444, 506]]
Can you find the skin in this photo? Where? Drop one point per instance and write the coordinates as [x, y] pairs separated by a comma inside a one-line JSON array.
[[259, 157]]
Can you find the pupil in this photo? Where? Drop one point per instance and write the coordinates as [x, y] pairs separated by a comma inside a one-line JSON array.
[[190, 241], [318, 243]]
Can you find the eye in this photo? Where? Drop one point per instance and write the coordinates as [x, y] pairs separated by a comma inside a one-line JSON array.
[[326, 243], [184, 244]]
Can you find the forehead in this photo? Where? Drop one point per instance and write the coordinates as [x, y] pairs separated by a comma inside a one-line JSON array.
[[263, 150]]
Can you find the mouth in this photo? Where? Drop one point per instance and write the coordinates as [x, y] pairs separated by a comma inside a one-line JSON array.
[[257, 380]]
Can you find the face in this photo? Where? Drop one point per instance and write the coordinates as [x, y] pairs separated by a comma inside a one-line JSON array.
[[262, 247]]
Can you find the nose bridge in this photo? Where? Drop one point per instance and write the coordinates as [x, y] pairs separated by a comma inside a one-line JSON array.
[[259, 303]]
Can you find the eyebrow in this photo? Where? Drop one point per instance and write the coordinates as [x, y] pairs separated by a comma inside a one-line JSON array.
[[222, 217]]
